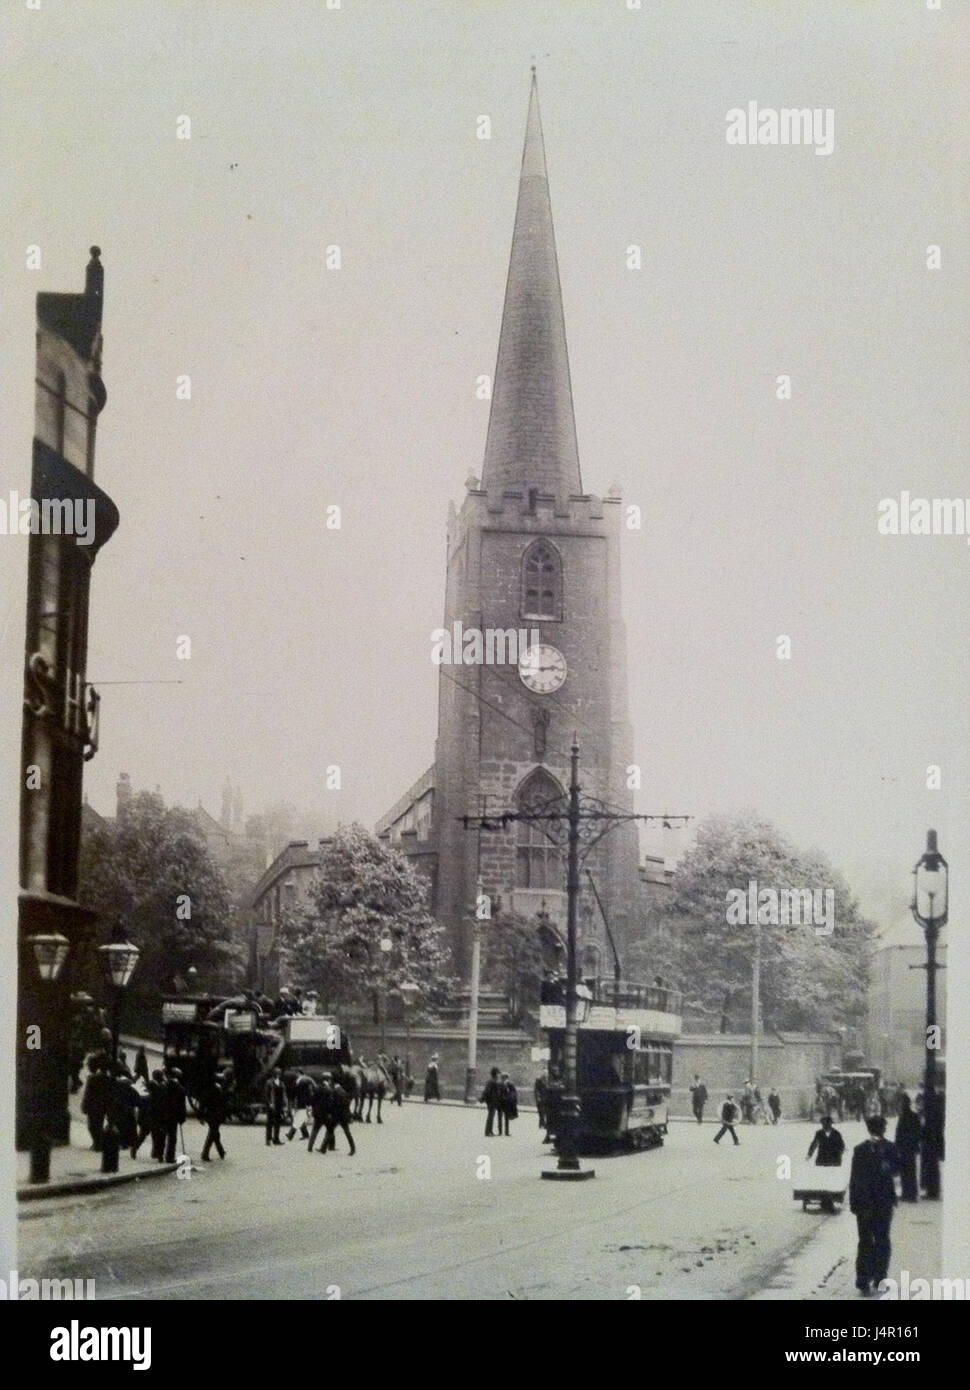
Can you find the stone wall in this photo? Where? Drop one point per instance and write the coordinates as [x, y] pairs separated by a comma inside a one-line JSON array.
[[789, 1061], [510, 1051]]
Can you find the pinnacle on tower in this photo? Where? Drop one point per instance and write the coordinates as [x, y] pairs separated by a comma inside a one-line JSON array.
[[531, 428]]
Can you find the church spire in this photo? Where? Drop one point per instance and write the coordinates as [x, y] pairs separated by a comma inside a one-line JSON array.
[[531, 429]]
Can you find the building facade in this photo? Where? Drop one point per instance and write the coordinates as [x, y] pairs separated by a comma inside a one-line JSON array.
[[533, 568], [896, 1025], [74, 518]]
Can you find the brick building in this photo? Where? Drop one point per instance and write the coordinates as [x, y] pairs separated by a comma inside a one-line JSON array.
[[72, 519], [529, 550]]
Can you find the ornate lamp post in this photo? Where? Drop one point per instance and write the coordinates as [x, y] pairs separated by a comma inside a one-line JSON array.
[[930, 909], [50, 951], [409, 993], [118, 961]]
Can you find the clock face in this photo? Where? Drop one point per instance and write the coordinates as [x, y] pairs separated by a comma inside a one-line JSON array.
[[542, 669]]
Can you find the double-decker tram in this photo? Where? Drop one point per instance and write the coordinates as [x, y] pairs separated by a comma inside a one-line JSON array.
[[624, 1057]]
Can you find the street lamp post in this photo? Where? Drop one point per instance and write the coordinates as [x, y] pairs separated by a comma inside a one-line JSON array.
[[387, 945], [930, 909], [567, 1167], [50, 951], [118, 961], [409, 992]]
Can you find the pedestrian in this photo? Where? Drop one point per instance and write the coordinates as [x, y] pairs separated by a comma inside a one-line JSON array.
[[508, 1103], [490, 1097], [908, 1136], [828, 1147], [215, 1113], [303, 1089], [747, 1102], [123, 1109], [150, 1117], [729, 1115], [174, 1108], [774, 1105], [274, 1098], [141, 1065], [541, 1093], [698, 1098], [94, 1102], [432, 1089], [931, 1151], [872, 1197], [321, 1106], [338, 1118], [396, 1073]]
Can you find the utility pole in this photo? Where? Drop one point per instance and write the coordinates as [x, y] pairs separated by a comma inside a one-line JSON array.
[[481, 911], [755, 1001], [599, 819]]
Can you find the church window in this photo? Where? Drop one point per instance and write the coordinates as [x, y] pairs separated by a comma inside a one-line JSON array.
[[542, 582], [539, 854]]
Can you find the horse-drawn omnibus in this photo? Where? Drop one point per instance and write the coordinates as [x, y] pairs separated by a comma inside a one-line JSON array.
[[206, 1035], [625, 1036]]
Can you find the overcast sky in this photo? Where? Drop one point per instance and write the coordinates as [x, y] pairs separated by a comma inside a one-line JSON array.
[[312, 387]]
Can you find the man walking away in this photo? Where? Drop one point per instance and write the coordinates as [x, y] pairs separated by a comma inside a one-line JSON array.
[[150, 1118], [491, 1097], [908, 1135], [216, 1112], [275, 1100], [872, 1197], [828, 1146], [94, 1102], [698, 1098], [338, 1118], [174, 1110], [321, 1108], [729, 1115]]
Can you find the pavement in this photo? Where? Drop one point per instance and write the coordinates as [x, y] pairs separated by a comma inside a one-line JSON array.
[[428, 1208], [76, 1167]]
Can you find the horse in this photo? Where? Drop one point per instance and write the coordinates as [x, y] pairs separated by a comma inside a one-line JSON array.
[[372, 1081]]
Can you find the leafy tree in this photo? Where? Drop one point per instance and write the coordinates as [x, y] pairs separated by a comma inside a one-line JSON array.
[[808, 981], [365, 892], [151, 869], [512, 961]]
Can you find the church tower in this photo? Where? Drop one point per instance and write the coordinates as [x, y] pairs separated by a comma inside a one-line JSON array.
[[530, 551]]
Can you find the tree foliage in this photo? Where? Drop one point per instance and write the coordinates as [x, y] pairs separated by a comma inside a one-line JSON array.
[[365, 892], [151, 870], [809, 981], [512, 961]]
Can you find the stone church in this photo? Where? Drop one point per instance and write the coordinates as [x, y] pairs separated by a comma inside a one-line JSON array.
[[530, 550]]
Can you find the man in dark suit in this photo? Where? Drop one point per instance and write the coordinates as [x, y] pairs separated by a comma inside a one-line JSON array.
[[490, 1097], [828, 1146], [872, 1197]]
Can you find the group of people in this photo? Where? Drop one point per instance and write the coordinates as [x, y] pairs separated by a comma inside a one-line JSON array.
[[308, 1105], [876, 1163], [501, 1099], [125, 1106], [750, 1108]]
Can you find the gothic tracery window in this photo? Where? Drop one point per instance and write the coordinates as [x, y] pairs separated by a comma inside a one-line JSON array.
[[542, 582], [538, 854]]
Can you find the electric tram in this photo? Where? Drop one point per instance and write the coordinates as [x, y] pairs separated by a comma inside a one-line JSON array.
[[624, 1043]]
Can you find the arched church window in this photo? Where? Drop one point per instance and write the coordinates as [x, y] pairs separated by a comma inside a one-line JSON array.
[[542, 582], [539, 852]]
